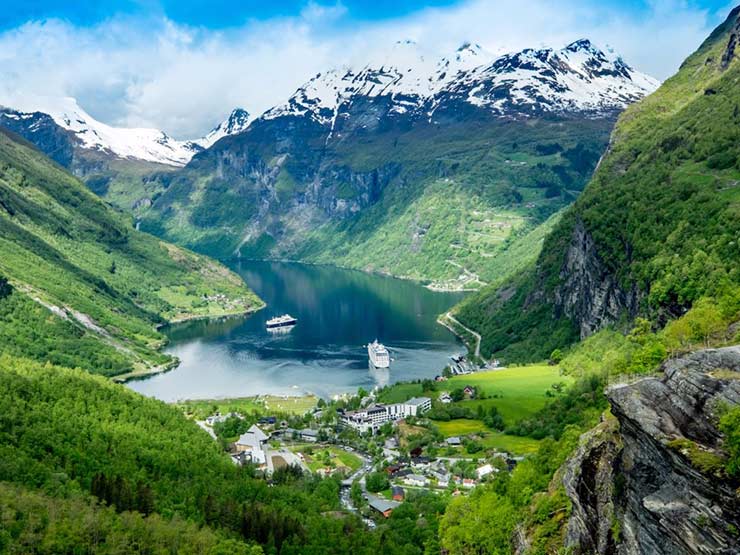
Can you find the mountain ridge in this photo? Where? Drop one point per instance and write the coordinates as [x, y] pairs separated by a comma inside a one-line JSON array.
[[353, 165]]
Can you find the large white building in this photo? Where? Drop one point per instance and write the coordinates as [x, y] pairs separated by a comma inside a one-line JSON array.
[[252, 444], [373, 417]]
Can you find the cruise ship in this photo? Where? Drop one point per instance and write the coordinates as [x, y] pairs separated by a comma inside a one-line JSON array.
[[283, 321], [379, 356]]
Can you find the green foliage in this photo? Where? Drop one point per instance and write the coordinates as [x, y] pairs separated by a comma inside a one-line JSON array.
[[484, 521], [580, 405], [702, 459], [28, 329], [65, 248], [377, 481], [729, 425], [33, 523]]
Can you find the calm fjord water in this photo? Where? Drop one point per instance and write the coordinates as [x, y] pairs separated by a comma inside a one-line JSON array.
[[339, 311]]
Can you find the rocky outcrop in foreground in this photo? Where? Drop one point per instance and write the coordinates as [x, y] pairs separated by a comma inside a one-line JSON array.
[[652, 480]]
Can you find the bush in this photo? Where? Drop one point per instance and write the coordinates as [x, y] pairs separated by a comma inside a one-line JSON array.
[[377, 481]]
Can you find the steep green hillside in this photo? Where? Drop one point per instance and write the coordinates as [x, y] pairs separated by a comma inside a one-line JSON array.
[[94, 278], [66, 435], [656, 229], [435, 203]]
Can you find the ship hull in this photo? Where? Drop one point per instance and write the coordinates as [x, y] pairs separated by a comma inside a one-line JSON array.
[[285, 324]]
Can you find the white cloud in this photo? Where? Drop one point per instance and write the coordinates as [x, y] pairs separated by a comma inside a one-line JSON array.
[[153, 72]]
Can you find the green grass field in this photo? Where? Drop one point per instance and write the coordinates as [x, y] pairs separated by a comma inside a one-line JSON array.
[[316, 456], [201, 408], [460, 427], [520, 391], [494, 440]]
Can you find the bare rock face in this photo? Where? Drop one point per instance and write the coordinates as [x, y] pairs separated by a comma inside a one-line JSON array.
[[641, 489], [590, 294]]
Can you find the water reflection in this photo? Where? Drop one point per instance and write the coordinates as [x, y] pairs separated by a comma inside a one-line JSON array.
[[338, 312]]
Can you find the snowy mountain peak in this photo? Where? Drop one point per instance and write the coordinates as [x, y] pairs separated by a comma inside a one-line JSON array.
[[238, 121], [150, 145], [578, 77]]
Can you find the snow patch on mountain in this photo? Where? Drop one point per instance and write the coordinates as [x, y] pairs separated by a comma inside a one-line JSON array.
[[151, 145], [579, 77], [404, 72]]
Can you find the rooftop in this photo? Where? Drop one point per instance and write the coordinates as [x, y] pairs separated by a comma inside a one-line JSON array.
[[382, 505], [416, 401]]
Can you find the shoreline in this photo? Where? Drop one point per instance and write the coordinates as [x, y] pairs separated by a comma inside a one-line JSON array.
[[175, 362], [424, 282], [200, 317]]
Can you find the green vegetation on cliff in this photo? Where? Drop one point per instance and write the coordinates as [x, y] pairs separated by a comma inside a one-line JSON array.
[[661, 212], [431, 203], [93, 276]]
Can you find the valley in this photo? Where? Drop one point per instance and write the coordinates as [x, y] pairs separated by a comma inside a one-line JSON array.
[[568, 220]]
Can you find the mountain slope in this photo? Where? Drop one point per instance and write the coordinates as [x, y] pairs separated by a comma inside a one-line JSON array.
[[655, 230], [398, 155], [101, 283], [116, 163]]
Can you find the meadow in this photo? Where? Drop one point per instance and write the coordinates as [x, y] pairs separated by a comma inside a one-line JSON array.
[[516, 392], [263, 404]]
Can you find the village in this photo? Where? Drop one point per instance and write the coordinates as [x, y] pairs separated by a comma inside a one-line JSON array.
[[379, 452]]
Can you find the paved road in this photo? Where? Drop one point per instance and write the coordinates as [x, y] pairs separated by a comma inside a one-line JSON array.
[[473, 333]]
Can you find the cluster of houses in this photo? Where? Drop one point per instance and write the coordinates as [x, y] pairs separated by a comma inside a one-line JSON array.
[[422, 473], [371, 418]]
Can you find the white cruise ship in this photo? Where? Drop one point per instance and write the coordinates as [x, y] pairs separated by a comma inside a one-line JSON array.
[[281, 322], [379, 356]]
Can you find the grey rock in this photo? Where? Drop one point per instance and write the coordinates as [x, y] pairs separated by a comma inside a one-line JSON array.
[[636, 480], [589, 293]]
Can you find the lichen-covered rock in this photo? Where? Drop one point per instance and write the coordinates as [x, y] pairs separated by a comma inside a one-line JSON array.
[[588, 478], [647, 488]]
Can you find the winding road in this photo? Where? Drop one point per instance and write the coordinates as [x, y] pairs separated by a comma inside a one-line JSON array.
[[477, 336]]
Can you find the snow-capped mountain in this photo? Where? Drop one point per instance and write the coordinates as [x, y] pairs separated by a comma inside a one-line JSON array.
[[237, 122], [29, 116], [150, 145], [579, 77], [403, 72]]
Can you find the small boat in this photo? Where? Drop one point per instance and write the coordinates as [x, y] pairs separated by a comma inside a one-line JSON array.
[[284, 321], [379, 356]]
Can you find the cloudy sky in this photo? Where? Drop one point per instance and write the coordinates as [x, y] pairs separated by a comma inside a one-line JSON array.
[[181, 65]]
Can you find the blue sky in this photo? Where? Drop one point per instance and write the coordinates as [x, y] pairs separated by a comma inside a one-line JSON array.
[[208, 13], [227, 13], [182, 65]]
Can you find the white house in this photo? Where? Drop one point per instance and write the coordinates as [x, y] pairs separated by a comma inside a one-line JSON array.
[[417, 406], [252, 443], [416, 480], [484, 470], [445, 398]]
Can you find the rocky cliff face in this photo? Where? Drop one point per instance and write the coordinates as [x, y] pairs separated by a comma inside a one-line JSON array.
[[642, 483], [589, 293]]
